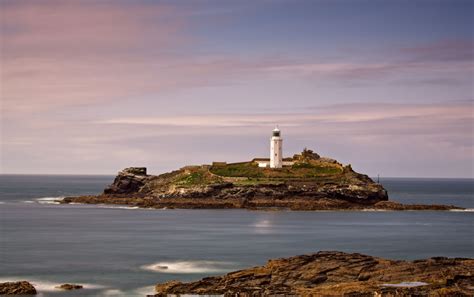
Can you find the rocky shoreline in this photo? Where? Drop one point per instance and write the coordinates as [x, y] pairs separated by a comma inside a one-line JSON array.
[[326, 273], [337, 274], [294, 204]]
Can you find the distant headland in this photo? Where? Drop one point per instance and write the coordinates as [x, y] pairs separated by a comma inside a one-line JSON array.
[[305, 181]]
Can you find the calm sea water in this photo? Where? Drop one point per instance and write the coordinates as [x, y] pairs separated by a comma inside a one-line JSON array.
[[122, 251]]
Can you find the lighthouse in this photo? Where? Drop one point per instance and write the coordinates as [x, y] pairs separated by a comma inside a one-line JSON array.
[[276, 149]]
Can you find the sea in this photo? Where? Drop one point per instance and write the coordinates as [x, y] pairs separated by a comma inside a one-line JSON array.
[[125, 251]]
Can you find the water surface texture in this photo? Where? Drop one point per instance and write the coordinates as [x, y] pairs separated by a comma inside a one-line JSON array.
[[116, 251]]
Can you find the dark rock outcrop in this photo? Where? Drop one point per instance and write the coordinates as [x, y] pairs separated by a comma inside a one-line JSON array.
[[306, 155], [128, 181], [17, 288], [69, 287], [338, 274]]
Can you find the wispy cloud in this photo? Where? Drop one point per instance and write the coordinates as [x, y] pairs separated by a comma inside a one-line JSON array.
[[57, 53], [409, 66], [341, 113], [442, 51]]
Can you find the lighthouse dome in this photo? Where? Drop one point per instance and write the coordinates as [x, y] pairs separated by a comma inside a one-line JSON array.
[[276, 132]]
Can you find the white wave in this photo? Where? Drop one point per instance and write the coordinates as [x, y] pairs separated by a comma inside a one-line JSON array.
[[113, 292], [406, 284], [198, 266], [143, 291], [373, 209], [118, 207], [2, 202], [49, 200], [47, 286], [27, 201], [463, 210]]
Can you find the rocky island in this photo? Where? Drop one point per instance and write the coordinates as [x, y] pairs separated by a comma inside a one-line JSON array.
[[304, 182], [337, 274]]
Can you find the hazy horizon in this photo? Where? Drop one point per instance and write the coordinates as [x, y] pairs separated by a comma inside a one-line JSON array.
[[92, 87]]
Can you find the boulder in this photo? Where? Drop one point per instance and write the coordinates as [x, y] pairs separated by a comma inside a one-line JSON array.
[[129, 180], [69, 287], [17, 288]]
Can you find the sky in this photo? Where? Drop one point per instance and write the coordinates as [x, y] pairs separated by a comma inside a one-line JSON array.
[[91, 87]]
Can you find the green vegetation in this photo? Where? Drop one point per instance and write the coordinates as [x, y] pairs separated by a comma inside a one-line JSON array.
[[196, 177], [248, 173], [256, 174], [302, 165], [245, 169], [193, 178]]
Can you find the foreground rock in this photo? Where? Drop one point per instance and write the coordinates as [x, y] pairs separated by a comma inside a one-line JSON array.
[[311, 183], [338, 274], [69, 287], [17, 288]]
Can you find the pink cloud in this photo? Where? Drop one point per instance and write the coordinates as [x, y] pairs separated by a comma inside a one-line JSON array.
[[442, 50], [369, 70], [81, 52], [87, 52], [66, 29]]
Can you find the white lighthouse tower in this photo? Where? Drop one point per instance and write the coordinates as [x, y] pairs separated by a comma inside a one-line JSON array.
[[276, 149]]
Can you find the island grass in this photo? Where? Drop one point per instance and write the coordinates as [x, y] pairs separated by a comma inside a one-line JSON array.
[[246, 169], [255, 173], [196, 177]]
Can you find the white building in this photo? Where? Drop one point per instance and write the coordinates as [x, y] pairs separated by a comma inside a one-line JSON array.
[[276, 149]]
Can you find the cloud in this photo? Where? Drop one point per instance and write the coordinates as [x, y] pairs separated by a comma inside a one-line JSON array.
[[59, 29], [334, 114], [442, 51], [441, 61], [373, 71], [57, 54]]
